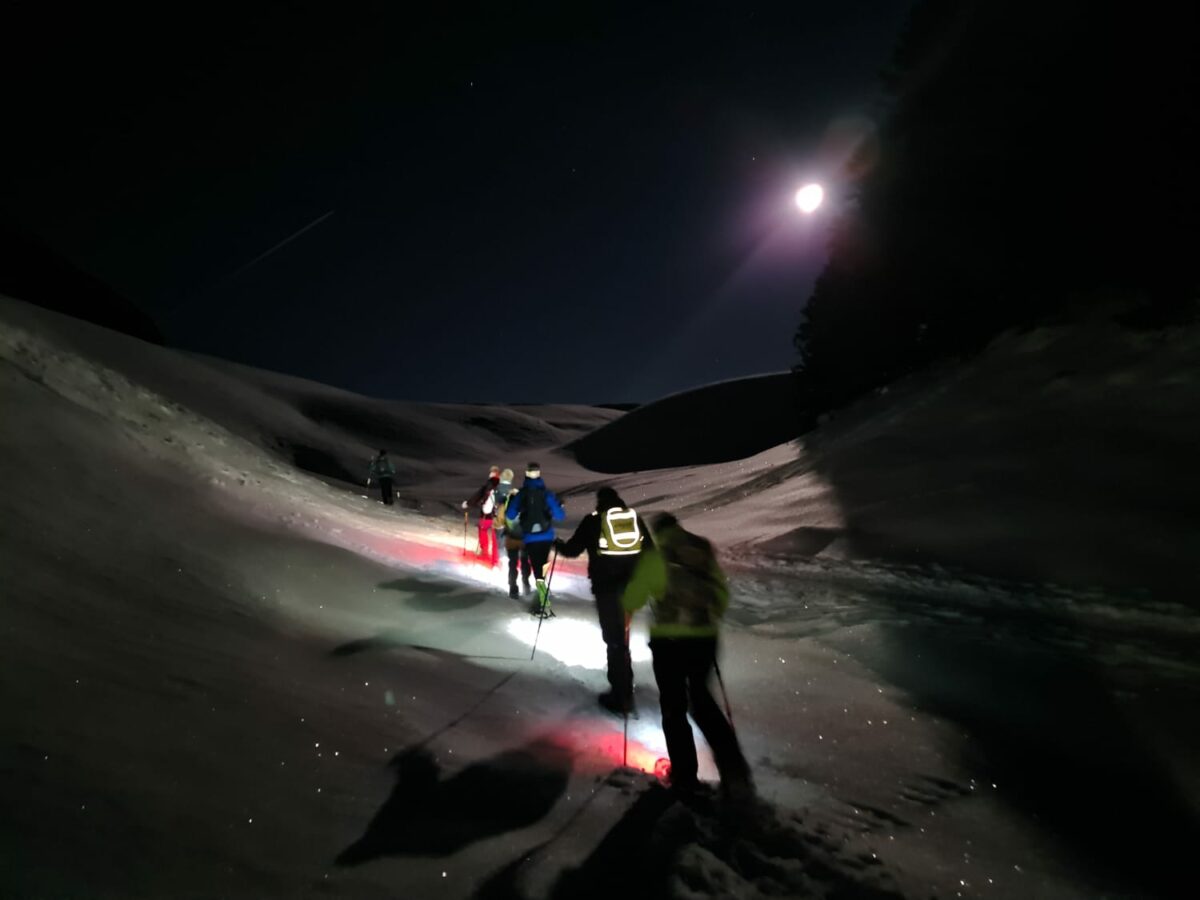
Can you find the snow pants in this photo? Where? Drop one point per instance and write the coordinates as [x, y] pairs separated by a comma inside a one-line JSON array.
[[385, 490], [538, 553], [517, 559], [489, 548], [682, 667], [616, 641]]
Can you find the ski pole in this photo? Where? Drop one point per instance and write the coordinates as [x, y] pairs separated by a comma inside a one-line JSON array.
[[724, 693], [625, 743], [625, 734], [550, 577], [542, 617]]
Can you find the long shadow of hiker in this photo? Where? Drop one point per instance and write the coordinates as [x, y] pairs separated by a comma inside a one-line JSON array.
[[625, 852], [429, 817], [645, 855]]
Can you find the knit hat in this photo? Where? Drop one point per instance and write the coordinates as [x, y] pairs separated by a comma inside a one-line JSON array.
[[662, 521], [607, 498], [533, 470]]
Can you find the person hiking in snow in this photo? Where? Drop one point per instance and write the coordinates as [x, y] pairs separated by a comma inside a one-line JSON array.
[[485, 499], [690, 595], [535, 509], [382, 472], [613, 536], [510, 532]]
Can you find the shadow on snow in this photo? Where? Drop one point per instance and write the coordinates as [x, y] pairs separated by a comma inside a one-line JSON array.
[[427, 815]]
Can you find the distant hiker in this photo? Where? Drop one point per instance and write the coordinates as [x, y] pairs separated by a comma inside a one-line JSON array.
[[510, 532], [485, 499], [382, 472], [690, 595], [535, 509], [613, 536]]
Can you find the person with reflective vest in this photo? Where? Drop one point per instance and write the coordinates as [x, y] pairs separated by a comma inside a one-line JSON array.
[[688, 595], [485, 500], [382, 472], [535, 509], [510, 534], [614, 537]]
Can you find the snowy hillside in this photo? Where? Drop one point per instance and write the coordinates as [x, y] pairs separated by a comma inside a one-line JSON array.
[[226, 672], [1062, 455], [720, 422]]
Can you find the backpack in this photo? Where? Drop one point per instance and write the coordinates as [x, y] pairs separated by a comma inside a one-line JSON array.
[[500, 502], [620, 534], [535, 510], [692, 594]]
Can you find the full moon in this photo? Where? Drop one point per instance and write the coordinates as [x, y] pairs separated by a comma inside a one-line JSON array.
[[809, 197]]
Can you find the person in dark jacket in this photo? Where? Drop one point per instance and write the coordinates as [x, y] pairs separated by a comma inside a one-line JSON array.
[[690, 596], [485, 500], [382, 472], [535, 509], [614, 537]]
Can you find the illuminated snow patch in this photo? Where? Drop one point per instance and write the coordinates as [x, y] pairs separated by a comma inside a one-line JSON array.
[[572, 642]]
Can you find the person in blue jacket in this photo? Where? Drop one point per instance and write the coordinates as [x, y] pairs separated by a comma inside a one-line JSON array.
[[536, 509]]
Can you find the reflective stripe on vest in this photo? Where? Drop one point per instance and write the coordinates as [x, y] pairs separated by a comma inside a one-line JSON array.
[[616, 538]]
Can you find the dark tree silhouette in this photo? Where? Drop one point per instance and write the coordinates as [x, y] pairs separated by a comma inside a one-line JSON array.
[[1034, 156]]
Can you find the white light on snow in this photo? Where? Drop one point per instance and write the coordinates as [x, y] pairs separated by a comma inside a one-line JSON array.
[[572, 642], [809, 198]]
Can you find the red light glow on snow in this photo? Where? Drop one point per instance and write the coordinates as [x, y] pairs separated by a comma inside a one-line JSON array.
[[636, 756]]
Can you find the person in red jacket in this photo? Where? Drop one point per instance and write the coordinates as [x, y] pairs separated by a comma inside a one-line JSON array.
[[485, 500]]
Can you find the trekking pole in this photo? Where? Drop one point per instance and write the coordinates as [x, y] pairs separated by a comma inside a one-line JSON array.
[[724, 693], [542, 617], [625, 734], [625, 743], [550, 576]]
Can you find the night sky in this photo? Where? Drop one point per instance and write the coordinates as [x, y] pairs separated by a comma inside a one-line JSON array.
[[518, 205]]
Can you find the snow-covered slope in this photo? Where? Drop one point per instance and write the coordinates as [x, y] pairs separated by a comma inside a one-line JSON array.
[[716, 423], [225, 676], [326, 431], [1061, 455]]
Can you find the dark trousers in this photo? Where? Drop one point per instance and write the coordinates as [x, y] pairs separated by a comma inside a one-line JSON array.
[[612, 629], [517, 558], [682, 667], [538, 553], [385, 490]]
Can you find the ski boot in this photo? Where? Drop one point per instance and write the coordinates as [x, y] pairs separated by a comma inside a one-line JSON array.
[[541, 606]]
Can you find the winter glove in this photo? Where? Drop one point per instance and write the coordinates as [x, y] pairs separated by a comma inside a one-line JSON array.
[[559, 544], [464, 506]]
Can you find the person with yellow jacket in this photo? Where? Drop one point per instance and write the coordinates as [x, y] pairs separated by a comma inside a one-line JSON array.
[[688, 595]]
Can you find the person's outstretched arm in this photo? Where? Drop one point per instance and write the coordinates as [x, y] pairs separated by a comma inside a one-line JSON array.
[[649, 580], [583, 538]]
